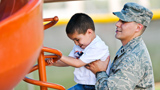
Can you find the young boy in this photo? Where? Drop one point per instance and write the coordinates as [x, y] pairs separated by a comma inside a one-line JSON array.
[[88, 48]]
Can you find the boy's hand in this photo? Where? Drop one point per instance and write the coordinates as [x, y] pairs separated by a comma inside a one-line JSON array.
[[50, 60]]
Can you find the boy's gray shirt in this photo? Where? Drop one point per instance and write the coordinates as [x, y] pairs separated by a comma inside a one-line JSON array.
[[130, 70]]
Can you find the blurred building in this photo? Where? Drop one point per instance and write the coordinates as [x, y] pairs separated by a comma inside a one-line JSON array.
[[67, 9]]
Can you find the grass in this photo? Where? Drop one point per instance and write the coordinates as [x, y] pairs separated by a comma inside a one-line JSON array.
[[58, 75], [157, 86]]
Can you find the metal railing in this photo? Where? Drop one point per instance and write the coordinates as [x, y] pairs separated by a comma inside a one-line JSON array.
[[41, 66]]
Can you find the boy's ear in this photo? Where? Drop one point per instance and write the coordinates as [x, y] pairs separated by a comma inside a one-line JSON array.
[[89, 31]]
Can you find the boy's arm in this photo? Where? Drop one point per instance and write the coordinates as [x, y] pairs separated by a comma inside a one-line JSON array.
[[72, 61], [60, 64], [57, 63]]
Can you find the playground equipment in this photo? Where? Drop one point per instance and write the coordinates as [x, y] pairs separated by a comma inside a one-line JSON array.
[[41, 63], [21, 39], [21, 29]]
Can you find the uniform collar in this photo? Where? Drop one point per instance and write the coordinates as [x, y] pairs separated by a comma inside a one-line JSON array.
[[129, 46]]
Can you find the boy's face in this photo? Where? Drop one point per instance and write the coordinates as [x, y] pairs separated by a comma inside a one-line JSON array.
[[82, 40]]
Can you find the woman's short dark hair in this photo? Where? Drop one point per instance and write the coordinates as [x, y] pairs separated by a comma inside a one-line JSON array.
[[79, 22]]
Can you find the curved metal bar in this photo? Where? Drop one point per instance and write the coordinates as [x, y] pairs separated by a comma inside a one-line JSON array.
[[42, 83], [51, 56], [54, 51], [57, 55], [35, 67], [53, 22], [41, 62]]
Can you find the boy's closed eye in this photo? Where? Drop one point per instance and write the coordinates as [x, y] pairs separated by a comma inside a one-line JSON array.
[[77, 40]]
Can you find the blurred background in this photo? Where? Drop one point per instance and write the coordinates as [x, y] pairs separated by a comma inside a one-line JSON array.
[[101, 13]]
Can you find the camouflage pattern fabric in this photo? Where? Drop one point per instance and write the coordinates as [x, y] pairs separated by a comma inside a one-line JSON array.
[[130, 70], [135, 12]]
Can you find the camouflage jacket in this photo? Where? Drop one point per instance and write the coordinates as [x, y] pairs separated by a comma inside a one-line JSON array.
[[130, 70]]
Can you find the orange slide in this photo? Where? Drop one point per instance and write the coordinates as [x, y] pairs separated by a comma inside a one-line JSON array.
[[21, 39]]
